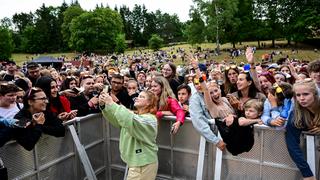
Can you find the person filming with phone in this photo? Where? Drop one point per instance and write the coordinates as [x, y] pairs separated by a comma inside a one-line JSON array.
[[138, 135], [87, 101]]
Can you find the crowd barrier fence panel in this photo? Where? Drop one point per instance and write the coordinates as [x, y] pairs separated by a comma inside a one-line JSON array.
[[57, 158]]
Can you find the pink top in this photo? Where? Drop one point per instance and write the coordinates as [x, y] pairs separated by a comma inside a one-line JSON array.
[[175, 108]]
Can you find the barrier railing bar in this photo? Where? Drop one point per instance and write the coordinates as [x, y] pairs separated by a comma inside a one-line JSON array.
[[105, 147], [202, 149], [36, 161], [126, 173], [56, 161], [108, 142], [82, 154], [179, 149], [171, 151], [117, 167], [261, 152], [95, 143], [218, 164], [311, 155]]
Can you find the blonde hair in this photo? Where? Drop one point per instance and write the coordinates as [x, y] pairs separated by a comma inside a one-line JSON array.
[[254, 103], [166, 91], [302, 116]]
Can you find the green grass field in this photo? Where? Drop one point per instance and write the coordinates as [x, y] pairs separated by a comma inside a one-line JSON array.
[[303, 54]]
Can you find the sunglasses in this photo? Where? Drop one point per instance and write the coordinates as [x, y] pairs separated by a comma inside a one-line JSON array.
[[230, 67]]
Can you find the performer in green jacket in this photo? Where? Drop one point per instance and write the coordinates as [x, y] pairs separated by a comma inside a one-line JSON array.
[[138, 134]]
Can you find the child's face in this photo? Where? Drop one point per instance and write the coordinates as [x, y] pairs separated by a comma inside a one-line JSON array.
[[183, 96], [251, 113]]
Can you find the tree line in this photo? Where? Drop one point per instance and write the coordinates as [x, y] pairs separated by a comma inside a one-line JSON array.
[[69, 27]]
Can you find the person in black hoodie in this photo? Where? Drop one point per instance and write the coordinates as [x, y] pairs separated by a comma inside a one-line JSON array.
[[87, 101], [34, 112]]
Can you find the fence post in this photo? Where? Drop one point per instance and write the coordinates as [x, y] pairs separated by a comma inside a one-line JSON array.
[[202, 149], [217, 170], [82, 154], [311, 155]]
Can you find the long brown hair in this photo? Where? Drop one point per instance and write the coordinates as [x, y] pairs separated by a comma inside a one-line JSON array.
[[166, 91], [302, 116], [152, 107]]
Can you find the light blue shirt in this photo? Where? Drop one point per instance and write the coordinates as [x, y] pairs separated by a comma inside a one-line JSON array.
[[272, 113], [200, 117]]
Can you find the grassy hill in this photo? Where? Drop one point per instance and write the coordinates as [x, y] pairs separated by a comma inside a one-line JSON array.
[[305, 54]]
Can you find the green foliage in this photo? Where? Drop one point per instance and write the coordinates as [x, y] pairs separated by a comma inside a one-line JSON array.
[[195, 30], [70, 13], [95, 30], [120, 43], [155, 42], [6, 43]]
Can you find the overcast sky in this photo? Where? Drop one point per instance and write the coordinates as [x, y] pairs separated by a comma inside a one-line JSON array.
[[180, 7]]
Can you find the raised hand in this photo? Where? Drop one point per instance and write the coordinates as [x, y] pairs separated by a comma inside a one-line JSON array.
[[249, 55]]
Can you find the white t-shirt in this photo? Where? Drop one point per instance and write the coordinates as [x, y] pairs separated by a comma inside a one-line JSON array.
[[9, 113]]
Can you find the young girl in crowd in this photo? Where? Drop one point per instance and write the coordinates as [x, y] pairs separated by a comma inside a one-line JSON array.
[[167, 104], [138, 135], [305, 117], [278, 105]]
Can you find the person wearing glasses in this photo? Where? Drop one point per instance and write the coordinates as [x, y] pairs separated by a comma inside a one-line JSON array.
[[87, 101], [58, 105], [37, 119], [8, 97], [118, 93], [304, 117]]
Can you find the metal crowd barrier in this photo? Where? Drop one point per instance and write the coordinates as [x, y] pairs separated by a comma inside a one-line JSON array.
[[90, 150]]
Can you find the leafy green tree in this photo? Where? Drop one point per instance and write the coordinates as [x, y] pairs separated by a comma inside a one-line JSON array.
[[120, 43], [95, 30], [195, 30], [30, 40], [69, 14], [155, 42], [6, 43], [22, 20], [126, 14]]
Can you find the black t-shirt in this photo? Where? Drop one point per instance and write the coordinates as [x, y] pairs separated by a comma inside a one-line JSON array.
[[8, 77], [239, 139]]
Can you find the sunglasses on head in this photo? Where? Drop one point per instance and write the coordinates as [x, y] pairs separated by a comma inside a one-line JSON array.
[[32, 91], [230, 67]]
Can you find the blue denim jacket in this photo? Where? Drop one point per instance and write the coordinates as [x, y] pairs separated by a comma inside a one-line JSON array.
[[200, 117], [272, 113], [293, 145]]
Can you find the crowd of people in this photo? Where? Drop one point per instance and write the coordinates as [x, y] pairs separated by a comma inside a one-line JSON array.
[[135, 92]]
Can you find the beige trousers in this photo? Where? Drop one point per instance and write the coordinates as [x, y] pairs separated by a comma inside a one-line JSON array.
[[147, 172]]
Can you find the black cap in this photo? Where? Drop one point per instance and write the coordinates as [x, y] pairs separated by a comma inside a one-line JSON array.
[[31, 65]]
